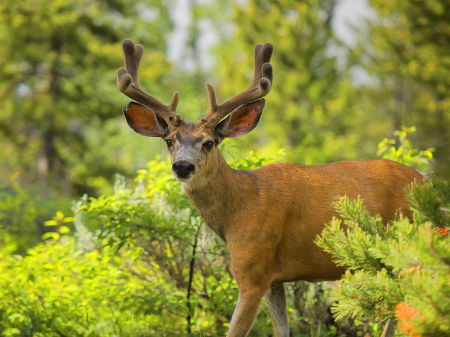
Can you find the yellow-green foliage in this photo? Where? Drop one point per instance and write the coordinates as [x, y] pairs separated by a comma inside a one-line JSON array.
[[404, 153], [59, 289]]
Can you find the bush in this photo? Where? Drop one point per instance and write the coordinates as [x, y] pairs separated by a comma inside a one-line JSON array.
[[405, 153], [59, 290]]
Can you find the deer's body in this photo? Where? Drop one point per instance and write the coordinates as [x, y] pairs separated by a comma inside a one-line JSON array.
[[269, 217]]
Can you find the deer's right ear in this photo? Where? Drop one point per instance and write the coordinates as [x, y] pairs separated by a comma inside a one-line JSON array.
[[144, 121]]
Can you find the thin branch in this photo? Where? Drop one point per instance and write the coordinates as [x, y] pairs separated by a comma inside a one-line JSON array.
[[198, 292], [191, 276]]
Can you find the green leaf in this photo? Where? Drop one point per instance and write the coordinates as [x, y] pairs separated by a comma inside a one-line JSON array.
[[64, 230], [54, 236]]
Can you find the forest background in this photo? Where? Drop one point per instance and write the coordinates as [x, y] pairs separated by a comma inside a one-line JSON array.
[[63, 135]]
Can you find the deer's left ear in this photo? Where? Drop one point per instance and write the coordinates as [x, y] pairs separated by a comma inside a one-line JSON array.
[[241, 121]]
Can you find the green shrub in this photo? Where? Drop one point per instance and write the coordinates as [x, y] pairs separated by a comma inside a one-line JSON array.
[[59, 290], [405, 153]]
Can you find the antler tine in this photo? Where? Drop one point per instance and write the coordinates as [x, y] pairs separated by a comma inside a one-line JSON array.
[[127, 82], [261, 85]]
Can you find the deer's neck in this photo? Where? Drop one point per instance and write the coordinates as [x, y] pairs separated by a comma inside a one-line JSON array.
[[219, 196]]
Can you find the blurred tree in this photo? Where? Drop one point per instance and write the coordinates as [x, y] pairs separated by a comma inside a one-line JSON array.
[[57, 83], [405, 50], [309, 108]]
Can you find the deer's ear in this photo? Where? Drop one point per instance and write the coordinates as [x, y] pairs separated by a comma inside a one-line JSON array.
[[144, 120], [241, 121]]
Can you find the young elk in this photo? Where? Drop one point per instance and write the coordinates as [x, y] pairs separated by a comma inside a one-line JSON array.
[[268, 217]]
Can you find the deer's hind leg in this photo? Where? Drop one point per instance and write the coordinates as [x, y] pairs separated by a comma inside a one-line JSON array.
[[276, 301]]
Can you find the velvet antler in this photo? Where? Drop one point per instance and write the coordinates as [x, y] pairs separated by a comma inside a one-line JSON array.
[[262, 83], [127, 82]]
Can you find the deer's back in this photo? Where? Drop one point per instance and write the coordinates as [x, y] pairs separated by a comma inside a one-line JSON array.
[[380, 182]]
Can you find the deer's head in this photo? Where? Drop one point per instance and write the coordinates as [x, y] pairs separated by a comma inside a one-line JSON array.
[[193, 146]]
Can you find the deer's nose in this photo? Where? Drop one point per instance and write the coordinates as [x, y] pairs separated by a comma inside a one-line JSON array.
[[183, 168]]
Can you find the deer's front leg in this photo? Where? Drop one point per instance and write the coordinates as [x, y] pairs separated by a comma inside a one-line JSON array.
[[253, 281], [245, 312], [276, 301]]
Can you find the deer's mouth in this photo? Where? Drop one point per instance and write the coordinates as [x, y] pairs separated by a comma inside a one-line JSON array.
[[184, 180]]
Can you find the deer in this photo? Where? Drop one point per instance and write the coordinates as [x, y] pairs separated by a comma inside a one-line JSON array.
[[268, 217]]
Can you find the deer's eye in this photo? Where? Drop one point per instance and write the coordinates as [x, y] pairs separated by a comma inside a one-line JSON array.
[[208, 145], [168, 142]]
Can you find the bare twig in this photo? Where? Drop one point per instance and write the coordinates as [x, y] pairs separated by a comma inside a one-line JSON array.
[[191, 276]]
